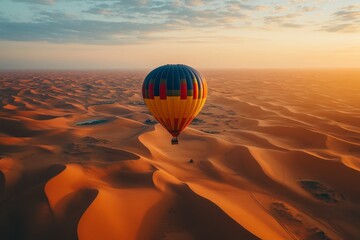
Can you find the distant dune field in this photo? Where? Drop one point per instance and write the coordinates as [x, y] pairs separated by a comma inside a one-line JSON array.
[[274, 154]]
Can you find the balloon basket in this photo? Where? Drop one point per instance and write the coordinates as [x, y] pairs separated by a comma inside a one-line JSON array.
[[174, 141]]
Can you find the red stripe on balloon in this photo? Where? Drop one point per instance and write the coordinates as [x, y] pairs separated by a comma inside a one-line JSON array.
[[183, 91], [181, 127], [151, 91], [162, 91]]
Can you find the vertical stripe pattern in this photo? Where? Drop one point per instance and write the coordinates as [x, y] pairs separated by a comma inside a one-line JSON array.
[[174, 95]]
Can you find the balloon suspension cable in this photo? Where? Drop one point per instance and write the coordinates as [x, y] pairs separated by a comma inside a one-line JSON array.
[[174, 141]]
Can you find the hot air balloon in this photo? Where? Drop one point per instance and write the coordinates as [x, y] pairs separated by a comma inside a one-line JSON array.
[[174, 94]]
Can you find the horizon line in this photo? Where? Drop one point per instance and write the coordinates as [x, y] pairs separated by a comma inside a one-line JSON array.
[[201, 68]]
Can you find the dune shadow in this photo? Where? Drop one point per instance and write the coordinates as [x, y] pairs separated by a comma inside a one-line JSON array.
[[182, 214], [25, 212], [72, 207]]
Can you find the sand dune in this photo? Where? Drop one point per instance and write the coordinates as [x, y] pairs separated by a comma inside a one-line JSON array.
[[273, 155]]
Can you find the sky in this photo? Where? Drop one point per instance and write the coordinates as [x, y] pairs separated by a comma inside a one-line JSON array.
[[132, 34]]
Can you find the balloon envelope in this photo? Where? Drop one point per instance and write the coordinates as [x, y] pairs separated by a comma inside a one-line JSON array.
[[174, 95]]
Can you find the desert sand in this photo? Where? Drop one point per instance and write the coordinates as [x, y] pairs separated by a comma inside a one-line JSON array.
[[274, 154]]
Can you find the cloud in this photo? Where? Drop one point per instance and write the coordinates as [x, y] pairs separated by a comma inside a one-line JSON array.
[[237, 5], [346, 20], [131, 27], [281, 19], [81, 31], [291, 25], [130, 21], [100, 9], [308, 8], [44, 2], [280, 8], [344, 27], [347, 15], [194, 2], [139, 21], [351, 7], [186, 13]]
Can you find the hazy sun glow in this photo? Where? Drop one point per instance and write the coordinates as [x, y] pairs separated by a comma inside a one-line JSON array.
[[61, 34]]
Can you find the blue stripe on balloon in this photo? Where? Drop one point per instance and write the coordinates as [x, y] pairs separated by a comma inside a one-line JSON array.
[[189, 82]]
